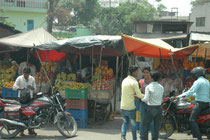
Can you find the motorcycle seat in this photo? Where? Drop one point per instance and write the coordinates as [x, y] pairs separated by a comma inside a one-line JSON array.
[[10, 101], [205, 112]]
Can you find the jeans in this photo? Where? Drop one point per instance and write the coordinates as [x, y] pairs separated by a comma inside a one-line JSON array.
[[129, 116], [152, 114], [142, 113], [197, 109]]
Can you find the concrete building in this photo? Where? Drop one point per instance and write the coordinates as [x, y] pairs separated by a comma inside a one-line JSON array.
[[25, 14], [172, 31], [201, 18]]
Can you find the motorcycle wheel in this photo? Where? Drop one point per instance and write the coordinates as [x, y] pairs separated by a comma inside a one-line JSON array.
[[7, 132], [166, 128], [66, 125]]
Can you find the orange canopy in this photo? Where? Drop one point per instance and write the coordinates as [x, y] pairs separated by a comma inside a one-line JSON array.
[[155, 48], [203, 50]]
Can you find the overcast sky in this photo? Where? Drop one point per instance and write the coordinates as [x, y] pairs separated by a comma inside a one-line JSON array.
[[184, 6]]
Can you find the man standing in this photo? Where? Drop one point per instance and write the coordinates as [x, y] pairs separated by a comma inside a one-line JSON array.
[[130, 89], [29, 65], [153, 112], [201, 90], [143, 83], [25, 81]]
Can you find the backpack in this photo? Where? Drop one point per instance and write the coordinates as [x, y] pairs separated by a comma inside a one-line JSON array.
[[25, 96]]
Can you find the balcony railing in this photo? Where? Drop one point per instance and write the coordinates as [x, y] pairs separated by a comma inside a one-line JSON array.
[[40, 4]]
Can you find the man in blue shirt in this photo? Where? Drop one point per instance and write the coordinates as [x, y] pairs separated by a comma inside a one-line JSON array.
[[201, 91]]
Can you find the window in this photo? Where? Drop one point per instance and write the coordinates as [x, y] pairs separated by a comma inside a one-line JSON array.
[[200, 22], [9, 0]]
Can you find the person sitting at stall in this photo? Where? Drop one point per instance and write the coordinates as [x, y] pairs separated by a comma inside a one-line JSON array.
[[28, 64], [86, 73]]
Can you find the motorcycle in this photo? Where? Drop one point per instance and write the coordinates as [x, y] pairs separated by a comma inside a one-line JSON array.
[[175, 116], [36, 114]]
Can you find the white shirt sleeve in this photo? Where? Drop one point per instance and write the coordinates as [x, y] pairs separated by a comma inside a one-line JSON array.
[[16, 84], [147, 94]]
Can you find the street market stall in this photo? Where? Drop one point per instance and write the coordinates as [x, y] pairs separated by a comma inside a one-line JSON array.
[[103, 86], [170, 67], [28, 40]]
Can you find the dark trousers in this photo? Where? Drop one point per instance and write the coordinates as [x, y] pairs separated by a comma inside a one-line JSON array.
[[197, 109], [152, 114]]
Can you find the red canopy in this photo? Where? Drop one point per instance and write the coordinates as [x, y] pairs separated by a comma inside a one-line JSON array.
[[50, 55]]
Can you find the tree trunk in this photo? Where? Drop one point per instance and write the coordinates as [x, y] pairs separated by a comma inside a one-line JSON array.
[[50, 16]]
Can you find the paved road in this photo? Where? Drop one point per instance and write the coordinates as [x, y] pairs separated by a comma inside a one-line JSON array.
[[107, 131], [90, 134]]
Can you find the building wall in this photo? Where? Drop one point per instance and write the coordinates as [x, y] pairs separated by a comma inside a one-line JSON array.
[[19, 19], [201, 10]]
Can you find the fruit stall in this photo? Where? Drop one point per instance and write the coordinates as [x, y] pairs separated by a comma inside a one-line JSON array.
[[102, 86], [7, 78]]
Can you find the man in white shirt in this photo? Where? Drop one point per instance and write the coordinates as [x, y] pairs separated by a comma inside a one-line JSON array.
[[25, 81], [153, 98]]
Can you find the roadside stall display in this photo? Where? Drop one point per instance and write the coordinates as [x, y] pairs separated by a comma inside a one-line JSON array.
[[7, 79], [169, 64], [29, 40], [96, 45], [202, 52]]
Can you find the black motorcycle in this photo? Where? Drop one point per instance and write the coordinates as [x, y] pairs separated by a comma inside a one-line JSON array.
[[176, 114]]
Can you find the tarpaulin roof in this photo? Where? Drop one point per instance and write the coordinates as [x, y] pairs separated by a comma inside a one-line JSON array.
[[203, 51], [113, 45], [28, 39], [155, 48], [199, 37], [34, 37]]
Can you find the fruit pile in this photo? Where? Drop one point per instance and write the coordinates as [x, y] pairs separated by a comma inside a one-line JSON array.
[[189, 65], [103, 72], [66, 77], [9, 84], [101, 85], [51, 66], [40, 78], [75, 85], [7, 74]]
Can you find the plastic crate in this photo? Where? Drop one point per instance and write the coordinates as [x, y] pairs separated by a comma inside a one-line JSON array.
[[76, 93], [76, 103], [9, 93], [82, 123], [81, 114]]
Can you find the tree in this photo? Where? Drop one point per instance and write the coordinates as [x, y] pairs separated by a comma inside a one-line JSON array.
[[84, 10], [57, 15], [118, 20]]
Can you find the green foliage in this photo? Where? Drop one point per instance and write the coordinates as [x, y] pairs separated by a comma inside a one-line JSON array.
[[84, 10], [113, 21]]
